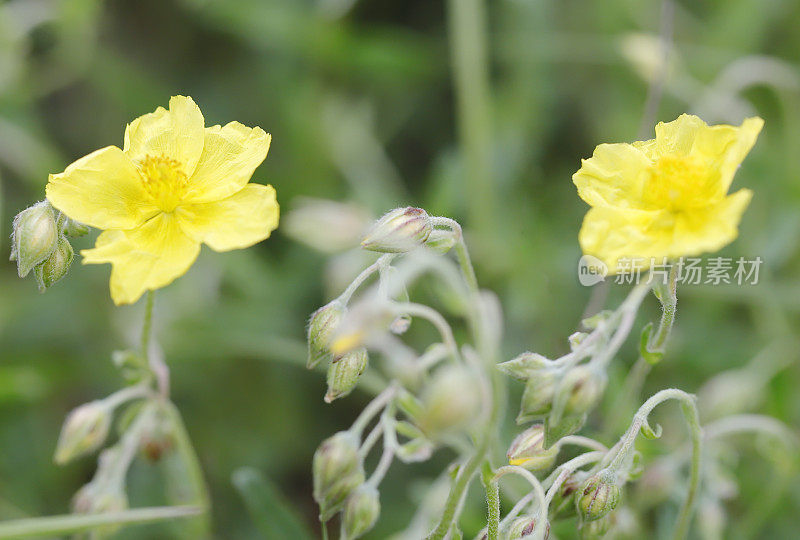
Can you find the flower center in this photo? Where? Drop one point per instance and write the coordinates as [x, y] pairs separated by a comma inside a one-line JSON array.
[[164, 180], [679, 183]]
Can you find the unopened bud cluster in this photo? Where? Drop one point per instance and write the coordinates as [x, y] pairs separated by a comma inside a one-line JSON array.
[[39, 243], [576, 389], [344, 368]]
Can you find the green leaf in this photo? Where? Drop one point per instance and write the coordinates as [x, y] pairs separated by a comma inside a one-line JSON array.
[[76, 523], [652, 357], [272, 514], [566, 426]]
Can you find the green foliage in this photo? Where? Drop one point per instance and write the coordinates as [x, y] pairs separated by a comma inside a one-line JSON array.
[[358, 97]]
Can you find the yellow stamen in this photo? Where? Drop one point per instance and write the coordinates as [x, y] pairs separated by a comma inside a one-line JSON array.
[[164, 180]]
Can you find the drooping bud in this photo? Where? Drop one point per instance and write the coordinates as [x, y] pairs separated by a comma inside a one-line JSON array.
[[344, 372], [399, 231], [361, 511], [528, 450], [451, 401], [56, 266], [524, 527], [584, 387], [34, 237], [84, 431], [321, 329], [74, 229], [337, 472], [599, 495], [537, 399]]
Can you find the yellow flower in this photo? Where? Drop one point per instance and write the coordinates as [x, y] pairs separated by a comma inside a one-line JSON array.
[[174, 185], [666, 197]]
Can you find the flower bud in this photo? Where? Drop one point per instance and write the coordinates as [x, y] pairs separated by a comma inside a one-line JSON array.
[[321, 328], [441, 241], [344, 372], [361, 511], [56, 266], [528, 451], [450, 402], [598, 496], [537, 399], [337, 472], [399, 231], [524, 527], [84, 430], [584, 387], [34, 237], [525, 366], [74, 229], [100, 498]]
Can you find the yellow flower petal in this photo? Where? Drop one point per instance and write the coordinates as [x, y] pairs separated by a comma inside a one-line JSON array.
[[678, 136], [146, 258], [241, 220], [230, 155], [727, 146], [611, 234], [103, 190], [176, 134], [613, 176], [710, 229]]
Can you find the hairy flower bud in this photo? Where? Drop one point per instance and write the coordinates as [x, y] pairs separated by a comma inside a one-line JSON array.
[[525, 366], [528, 450], [599, 495], [524, 527], [34, 237], [337, 472], [399, 231], [361, 511], [321, 329], [537, 399], [84, 430], [56, 266], [584, 388], [450, 402], [344, 372]]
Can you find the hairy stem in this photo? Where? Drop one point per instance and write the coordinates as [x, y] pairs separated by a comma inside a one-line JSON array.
[[492, 502]]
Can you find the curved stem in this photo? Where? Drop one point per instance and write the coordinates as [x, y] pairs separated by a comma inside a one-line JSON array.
[[362, 277], [369, 412], [462, 253], [567, 468], [586, 442], [436, 319], [625, 447]]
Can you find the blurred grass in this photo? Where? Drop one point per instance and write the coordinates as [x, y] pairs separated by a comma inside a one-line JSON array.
[[359, 100]]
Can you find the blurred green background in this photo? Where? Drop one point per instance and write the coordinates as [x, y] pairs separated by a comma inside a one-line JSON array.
[[359, 98]]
